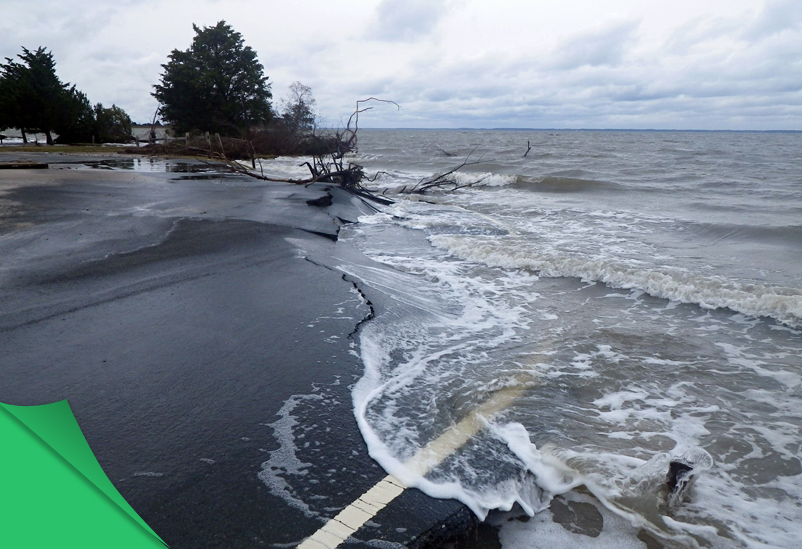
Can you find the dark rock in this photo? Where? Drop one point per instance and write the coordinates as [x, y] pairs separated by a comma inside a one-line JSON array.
[[677, 475], [577, 517], [650, 542]]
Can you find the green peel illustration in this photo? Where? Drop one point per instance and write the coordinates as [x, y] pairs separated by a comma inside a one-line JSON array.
[[53, 492]]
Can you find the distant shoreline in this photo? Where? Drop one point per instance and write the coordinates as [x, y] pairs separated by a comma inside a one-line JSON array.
[[620, 130]]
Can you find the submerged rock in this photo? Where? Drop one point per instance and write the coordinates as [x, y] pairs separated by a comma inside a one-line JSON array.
[[578, 517], [683, 472]]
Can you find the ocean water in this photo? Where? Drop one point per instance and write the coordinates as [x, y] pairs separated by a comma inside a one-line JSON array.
[[574, 319], [584, 315]]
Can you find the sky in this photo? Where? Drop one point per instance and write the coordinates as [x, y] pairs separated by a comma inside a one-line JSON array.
[[625, 64]]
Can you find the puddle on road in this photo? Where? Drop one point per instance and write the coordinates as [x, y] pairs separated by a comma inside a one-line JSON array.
[[208, 171], [216, 175]]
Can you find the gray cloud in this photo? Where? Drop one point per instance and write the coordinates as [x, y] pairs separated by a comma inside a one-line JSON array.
[[775, 17], [602, 46], [737, 67], [405, 20], [55, 25]]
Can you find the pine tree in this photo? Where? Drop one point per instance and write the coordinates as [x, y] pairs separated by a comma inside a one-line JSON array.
[[112, 125], [34, 94], [217, 85], [34, 99]]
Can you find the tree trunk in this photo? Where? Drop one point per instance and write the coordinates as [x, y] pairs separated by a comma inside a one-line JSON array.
[[24, 137], [250, 145], [49, 137]]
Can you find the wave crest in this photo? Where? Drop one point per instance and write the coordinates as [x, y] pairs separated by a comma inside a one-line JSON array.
[[709, 292]]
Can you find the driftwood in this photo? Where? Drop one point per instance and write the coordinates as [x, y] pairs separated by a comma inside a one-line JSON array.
[[348, 177], [329, 165], [328, 151], [446, 180], [445, 153], [528, 148], [326, 167]]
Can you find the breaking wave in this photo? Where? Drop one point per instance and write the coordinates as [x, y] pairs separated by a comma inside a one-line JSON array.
[[675, 284]]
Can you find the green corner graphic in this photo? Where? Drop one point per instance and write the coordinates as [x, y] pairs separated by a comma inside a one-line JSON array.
[[53, 492]]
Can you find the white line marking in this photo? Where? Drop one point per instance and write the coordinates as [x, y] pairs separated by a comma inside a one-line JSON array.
[[350, 519]]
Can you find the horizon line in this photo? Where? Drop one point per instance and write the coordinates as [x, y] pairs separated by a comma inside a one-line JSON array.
[[581, 129], [501, 128]]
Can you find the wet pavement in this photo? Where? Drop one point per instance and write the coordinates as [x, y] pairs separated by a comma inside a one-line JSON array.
[[207, 350]]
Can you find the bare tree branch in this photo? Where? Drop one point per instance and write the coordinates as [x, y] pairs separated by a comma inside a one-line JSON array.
[[445, 153], [446, 181], [327, 166]]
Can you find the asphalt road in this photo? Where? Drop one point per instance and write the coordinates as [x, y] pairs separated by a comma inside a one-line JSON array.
[[206, 358]]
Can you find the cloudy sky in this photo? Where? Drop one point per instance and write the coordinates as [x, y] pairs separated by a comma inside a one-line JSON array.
[[665, 64]]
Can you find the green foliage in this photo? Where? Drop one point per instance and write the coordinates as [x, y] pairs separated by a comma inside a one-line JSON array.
[[217, 85], [112, 125], [76, 120], [34, 99], [33, 94], [6, 103], [298, 109], [8, 90]]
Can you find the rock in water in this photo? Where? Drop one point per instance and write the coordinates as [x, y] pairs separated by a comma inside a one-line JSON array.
[[683, 472]]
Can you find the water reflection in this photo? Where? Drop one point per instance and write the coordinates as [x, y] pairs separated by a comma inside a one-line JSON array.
[[154, 165]]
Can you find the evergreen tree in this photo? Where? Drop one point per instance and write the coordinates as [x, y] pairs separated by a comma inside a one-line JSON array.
[[112, 125], [34, 94], [33, 98], [76, 120], [6, 103], [216, 85]]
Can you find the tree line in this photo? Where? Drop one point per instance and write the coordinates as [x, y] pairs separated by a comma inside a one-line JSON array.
[[216, 86], [34, 100]]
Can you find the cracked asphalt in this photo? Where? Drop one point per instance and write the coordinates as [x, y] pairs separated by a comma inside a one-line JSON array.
[[207, 362]]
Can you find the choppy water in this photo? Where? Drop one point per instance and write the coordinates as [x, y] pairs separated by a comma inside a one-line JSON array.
[[587, 313]]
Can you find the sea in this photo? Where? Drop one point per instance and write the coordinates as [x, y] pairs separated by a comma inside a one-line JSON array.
[[590, 338], [577, 314]]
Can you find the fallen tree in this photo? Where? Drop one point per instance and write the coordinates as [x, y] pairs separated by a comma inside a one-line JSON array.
[[445, 181], [328, 162]]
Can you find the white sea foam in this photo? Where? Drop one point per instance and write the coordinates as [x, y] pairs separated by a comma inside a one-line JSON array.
[[594, 246], [290, 167], [460, 300], [711, 292], [543, 532], [484, 179], [604, 388], [284, 461]]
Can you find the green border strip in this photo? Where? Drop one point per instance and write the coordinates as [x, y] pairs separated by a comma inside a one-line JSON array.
[[36, 472]]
